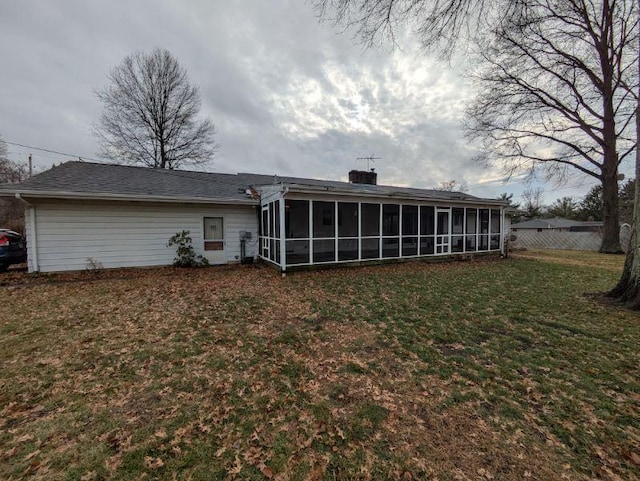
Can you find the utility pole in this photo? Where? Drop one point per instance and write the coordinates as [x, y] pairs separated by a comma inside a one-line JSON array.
[[30, 166]]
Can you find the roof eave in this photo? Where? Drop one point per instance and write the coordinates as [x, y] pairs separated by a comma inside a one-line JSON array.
[[39, 194], [296, 189]]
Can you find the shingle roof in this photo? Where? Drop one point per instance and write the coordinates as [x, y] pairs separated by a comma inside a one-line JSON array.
[[75, 178], [122, 180]]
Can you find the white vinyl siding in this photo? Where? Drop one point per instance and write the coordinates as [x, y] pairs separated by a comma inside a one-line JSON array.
[[122, 234]]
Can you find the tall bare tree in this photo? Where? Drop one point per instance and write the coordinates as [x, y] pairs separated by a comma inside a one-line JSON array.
[[557, 92], [150, 114], [557, 82]]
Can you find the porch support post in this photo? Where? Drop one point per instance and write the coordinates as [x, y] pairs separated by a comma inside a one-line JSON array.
[[281, 235], [502, 233]]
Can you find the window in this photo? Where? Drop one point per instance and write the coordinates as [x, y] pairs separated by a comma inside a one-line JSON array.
[[483, 241], [370, 222], [457, 226], [457, 229], [495, 221], [409, 246], [297, 252], [426, 245], [371, 248], [323, 220], [494, 242], [427, 230], [410, 220], [213, 234], [276, 215], [272, 217], [390, 220], [391, 247], [347, 219], [471, 230], [324, 250], [427, 220], [296, 219], [347, 231], [484, 221], [347, 249]]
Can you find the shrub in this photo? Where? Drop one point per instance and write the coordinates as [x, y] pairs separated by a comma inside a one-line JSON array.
[[185, 254]]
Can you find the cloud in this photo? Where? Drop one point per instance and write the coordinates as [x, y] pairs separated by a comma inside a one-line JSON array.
[[288, 95]]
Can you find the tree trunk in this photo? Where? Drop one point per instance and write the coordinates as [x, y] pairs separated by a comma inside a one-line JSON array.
[[610, 217], [627, 290]]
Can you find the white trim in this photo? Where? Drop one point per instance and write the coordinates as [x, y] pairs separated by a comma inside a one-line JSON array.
[[283, 240], [390, 198], [32, 246], [131, 197]]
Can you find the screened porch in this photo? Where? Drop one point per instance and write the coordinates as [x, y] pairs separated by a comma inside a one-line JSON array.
[[299, 232]]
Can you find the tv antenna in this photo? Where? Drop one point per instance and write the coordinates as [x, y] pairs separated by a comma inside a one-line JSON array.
[[369, 159]]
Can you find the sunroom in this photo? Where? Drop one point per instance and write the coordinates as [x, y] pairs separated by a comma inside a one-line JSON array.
[[302, 226]]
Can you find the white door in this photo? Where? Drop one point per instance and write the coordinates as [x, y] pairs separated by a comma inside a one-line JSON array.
[[214, 241], [443, 228], [265, 232]]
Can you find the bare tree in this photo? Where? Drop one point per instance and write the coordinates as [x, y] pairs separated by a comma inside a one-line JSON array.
[[11, 209], [557, 78], [557, 92], [532, 205], [10, 172], [452, 186], [150, 114], [440, 24]]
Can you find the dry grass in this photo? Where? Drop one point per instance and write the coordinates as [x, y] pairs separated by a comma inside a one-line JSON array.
[[482, 370], [612, 262]]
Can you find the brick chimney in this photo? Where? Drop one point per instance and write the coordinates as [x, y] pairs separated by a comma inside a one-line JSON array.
[[363, 177]]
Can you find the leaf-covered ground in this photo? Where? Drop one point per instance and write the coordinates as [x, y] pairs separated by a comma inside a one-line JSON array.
[[498, 369]]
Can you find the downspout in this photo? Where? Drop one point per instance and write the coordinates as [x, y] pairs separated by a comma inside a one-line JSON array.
[[32, 239]]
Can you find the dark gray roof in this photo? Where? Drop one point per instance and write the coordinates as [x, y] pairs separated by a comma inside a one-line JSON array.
[[76, 178], [552, 223], [121, 180]]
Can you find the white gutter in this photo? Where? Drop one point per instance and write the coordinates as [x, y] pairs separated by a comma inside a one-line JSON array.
[[127, 197], [400, 196], [32, 239]]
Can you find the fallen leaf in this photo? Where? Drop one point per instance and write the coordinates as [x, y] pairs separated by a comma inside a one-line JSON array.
[[32, 455], [24, 438], [153, 463], [265, 470]]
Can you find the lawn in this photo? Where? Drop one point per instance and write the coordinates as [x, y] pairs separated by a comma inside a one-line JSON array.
[[481, 370]]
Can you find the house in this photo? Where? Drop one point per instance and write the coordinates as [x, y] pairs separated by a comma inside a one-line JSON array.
[[558, 233], [82, 213]]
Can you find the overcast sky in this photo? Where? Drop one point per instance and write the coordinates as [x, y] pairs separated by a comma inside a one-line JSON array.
[[288, 95]]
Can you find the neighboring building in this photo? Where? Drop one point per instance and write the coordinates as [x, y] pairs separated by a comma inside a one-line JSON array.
[[558, 233], [123, 216]]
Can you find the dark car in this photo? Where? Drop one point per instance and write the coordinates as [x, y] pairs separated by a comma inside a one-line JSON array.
[[12, 249]]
